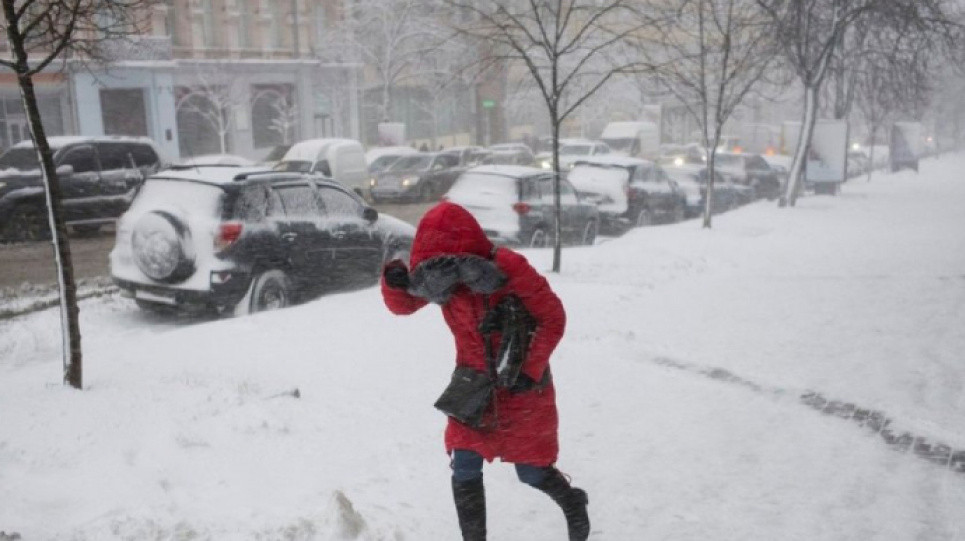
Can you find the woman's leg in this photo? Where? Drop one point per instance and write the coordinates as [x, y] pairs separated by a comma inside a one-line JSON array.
[[469, 494], [572, 500]]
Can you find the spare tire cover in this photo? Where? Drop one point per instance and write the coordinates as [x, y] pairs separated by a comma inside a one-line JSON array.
[[161, 248]]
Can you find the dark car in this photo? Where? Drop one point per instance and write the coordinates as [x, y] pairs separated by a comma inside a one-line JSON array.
[[237, 240], [98, 179], [750, 170], [417, 177], [651, 195], [510, 154], [515, 206]]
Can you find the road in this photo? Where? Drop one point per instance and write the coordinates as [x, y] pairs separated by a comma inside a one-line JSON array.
[[33, 263]]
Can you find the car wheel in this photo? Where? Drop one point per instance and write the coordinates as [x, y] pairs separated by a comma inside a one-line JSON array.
[[679, 212], [425, 193], [589, 233], [539, 239], [162, 247], [270, 290], [27, 223], [644, 217], [87, 230]]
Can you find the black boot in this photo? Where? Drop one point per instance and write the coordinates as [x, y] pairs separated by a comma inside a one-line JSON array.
[[572, 500], [470, 497]]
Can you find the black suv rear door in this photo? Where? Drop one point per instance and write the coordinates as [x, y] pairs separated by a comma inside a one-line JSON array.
[[307, 245], [357, 243]]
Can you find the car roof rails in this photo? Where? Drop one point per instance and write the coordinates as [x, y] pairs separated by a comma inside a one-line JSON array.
[[287, 174]]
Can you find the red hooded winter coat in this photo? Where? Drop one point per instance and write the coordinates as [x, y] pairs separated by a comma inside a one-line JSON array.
[[526, 423]]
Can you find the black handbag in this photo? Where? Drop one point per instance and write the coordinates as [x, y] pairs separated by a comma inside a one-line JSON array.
[[468, 396]]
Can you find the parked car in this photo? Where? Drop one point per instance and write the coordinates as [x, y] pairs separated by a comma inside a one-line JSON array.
[[218, 159], [417, 177], [687, 177], [515, 206], [858, 163], [236, 240], [381, 157], [510, 154], [728, 194], [652, 196], [98, 179], [467, 156], [340, 159], [572, 150], [750, 170]]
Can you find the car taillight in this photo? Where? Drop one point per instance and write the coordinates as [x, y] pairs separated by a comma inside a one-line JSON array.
[[522, 208], [228, 233]]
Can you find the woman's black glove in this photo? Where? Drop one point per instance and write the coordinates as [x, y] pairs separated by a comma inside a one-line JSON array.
[[396, 275], [522, 384]]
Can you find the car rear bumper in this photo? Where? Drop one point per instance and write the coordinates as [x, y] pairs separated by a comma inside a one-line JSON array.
[[227, 289]]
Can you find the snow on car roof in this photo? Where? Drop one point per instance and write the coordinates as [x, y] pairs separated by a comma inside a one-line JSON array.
[[507, 170], [212, 175], [59, 141], [309, 149], [613, 159]]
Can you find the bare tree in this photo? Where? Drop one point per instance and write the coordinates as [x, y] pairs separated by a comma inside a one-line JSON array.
[[567, 47], [710, 54], [40, 33], [388, 36], [811, 32], [214, 97]]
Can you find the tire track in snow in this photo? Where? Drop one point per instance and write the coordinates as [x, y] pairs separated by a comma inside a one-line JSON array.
[[903, 441]]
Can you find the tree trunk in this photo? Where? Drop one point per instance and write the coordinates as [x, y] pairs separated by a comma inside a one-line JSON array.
[[794, 180], [711, 177], [69, 311], [557, 246]]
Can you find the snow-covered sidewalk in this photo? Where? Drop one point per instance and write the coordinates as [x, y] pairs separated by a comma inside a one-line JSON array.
[[191, 432]]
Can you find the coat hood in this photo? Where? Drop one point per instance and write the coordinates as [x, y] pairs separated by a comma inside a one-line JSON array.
[[448, 229]]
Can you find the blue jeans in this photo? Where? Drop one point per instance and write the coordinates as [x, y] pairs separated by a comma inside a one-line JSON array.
[[468, 465]]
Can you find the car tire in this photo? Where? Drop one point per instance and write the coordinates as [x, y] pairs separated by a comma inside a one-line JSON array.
[[589, 233], [162, 247], [270, 290], [539, 239], [679, 212], [425, 192], [644, 217], [27, 223]]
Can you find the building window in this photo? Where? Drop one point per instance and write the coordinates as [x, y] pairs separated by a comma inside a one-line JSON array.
[[275, 15], [207, 24], [274, 116], [244, 23], [171, 22], [320, 22]]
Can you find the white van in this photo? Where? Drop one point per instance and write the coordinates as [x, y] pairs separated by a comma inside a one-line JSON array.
[[635, 139], [339, 159]]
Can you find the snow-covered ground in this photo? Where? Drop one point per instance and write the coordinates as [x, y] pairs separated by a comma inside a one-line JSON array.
[[191, 430]]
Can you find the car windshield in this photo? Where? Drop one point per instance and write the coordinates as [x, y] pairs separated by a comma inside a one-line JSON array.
[[728, 161], [410, 163], [576, 150], [22, 159], [294, 166], [382, 162], [620, 144]]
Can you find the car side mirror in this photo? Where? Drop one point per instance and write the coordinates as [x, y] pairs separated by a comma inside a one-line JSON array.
[[65, 170], [370, 215]]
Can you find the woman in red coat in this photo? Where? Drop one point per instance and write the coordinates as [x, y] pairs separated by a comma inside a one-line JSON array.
[[455, 266]]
